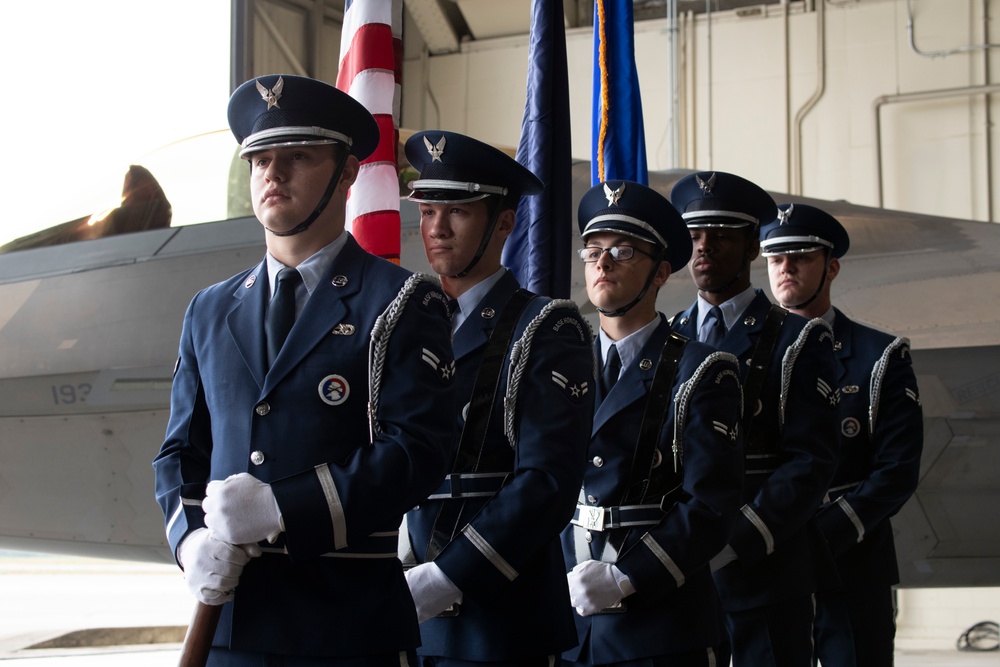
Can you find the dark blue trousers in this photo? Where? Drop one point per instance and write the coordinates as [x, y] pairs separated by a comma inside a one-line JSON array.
[[777, 635], [219, 657], [856, 628]]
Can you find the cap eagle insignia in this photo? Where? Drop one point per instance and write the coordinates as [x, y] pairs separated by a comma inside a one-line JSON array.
[[785, 216], [613, 195], [706, 186], [435, 150], [273, 95]]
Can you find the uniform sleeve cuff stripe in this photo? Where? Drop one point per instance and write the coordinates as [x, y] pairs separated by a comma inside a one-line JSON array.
[[337, 518], [761, 528], [173, 519], [852, 515], [664, 558], [491, 555]]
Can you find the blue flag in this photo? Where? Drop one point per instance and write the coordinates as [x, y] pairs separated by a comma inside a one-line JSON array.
[[619, 143], [538, 251]]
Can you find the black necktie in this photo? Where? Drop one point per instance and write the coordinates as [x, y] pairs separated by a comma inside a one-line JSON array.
[[281, 311], [612, 369], [716, 327]]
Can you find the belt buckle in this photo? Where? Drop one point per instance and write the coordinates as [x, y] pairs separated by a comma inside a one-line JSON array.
[[594, 518]]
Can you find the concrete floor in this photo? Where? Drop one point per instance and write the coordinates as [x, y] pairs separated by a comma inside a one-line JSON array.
[[48, 597]]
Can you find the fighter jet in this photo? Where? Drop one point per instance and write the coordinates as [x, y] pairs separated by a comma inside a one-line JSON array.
[[89, 332]]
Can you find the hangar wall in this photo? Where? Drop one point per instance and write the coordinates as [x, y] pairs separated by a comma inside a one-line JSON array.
[[745, 75]]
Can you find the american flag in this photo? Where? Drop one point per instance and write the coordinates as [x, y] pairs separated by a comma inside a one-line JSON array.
[[370, 71]]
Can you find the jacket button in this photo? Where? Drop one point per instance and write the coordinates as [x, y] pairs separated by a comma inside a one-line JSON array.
[[257, 457], [262, 408], [590, 537], [592, 500], [598, 461]]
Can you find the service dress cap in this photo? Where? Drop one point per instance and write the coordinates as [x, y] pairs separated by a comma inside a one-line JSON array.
[[635, 210], [281, 110], [718, 199], [456, 169], [800, 228]]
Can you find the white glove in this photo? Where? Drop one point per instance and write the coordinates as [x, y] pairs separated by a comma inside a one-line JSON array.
[[212, 568], [242, 510], [594, 586], [432, 590], [723, 558]]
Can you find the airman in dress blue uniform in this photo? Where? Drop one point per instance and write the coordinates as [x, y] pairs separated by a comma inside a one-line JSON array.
[[776, 559], [288, 464], [662, 488], [489, 583], [880, 427]]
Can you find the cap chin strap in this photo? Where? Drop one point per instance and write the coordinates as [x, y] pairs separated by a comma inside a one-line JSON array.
[[822, 281], [494, 217], [323, 201], [645, 288]]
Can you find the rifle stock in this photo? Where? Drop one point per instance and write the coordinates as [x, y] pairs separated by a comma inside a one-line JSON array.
[[198, 640]]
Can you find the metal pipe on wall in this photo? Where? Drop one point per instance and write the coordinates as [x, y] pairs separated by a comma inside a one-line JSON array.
[[690, 135], [786, 33], [800, 115], [964, 91], [986, 89], [988, 116], [911, 29], [674, 51], [708, 49]]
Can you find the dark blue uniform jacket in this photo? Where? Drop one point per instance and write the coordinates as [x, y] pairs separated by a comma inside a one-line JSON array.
[[791, 455], [332, 585], [505, 556], [675, 607], [881, 434]]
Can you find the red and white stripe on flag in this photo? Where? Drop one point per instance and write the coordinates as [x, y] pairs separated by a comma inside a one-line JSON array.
[[370, 71]]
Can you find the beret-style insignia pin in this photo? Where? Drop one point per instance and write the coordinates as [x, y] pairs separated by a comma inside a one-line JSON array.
[[273, 95], [837, 346], [488, 313], [435, 150], [685, 320], [614, 195], [750, 320], [786, 215], [706, 186], [646, 364], [339, 281], [250, 281]]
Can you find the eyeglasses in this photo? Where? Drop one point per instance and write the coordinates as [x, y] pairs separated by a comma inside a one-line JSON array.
[[619, 253]]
